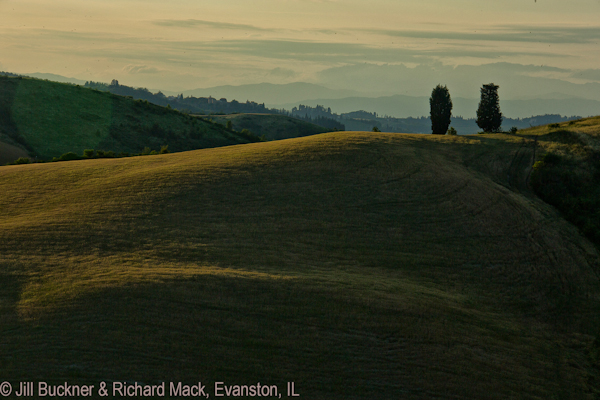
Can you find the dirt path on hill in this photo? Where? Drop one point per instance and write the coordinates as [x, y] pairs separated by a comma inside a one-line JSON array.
[[521, 165]]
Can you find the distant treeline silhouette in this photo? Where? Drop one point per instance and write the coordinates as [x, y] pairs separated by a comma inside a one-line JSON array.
[[205, 105], [9, 74], [365, 121]]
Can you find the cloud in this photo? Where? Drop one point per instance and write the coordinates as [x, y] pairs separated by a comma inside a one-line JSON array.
[[142, 50], [587, 74], [140, 69], [282, 73], [192, 23], [343, 53], [517, 33]]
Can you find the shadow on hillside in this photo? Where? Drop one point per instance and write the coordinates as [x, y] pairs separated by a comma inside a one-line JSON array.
[[243, 331], [9, 132]]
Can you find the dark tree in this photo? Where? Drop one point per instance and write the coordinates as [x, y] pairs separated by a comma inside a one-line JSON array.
[[441, 110], [489, 117]]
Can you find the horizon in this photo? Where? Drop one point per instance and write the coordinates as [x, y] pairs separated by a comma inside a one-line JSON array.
[[378, 49]]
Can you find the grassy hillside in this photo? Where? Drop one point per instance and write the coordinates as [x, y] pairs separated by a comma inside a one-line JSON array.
[[47, 119], [273, 127], [358, 265]]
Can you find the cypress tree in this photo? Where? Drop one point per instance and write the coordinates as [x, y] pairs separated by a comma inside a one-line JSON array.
[[489, 117], [441, 110]]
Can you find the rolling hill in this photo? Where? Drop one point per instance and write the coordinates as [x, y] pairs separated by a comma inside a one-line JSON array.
[[272, 126], [46, 119], [356, 265]]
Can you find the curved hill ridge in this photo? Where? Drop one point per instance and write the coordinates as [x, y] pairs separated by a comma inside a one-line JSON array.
[[358, 265]]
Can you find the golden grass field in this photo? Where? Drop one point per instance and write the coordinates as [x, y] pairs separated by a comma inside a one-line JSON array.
[[358, 265]]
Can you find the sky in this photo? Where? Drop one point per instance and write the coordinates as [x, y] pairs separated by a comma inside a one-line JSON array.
[[376, 47]]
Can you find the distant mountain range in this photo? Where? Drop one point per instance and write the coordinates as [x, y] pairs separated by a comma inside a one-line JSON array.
[[288, 96], [272, 94]]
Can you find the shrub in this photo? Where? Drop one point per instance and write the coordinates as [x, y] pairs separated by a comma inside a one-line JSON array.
[[22, 160], [574, 193], [375, 129], [153, 152], [551, 158], [513, 130], [88, 153], [451, 131], [146, 151], [109, 154], [554, 126], [245, 133], [69, 156], [100, 153], [164, 149]]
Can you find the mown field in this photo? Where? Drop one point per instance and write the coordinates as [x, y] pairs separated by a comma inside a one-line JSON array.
[[358, 265]]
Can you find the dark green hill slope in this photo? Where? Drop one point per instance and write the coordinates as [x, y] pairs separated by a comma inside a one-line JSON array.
[[357, 265], [272, 126], [567, 171], [48, 119]]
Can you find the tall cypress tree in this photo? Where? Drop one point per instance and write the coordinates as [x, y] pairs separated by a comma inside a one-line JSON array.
[[441, 110], [489, 117]]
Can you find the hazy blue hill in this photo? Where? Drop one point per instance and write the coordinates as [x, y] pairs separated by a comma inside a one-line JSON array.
[[55, 78], [271, 94], [401, 106]]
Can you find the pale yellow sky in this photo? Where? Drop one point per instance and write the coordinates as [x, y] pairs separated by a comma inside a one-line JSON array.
[[185, 44]]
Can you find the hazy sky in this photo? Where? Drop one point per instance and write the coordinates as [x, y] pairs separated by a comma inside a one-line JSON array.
[[378, 46]]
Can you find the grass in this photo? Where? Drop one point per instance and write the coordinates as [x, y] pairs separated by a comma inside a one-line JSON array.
[[358, 265], [48, 119]]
